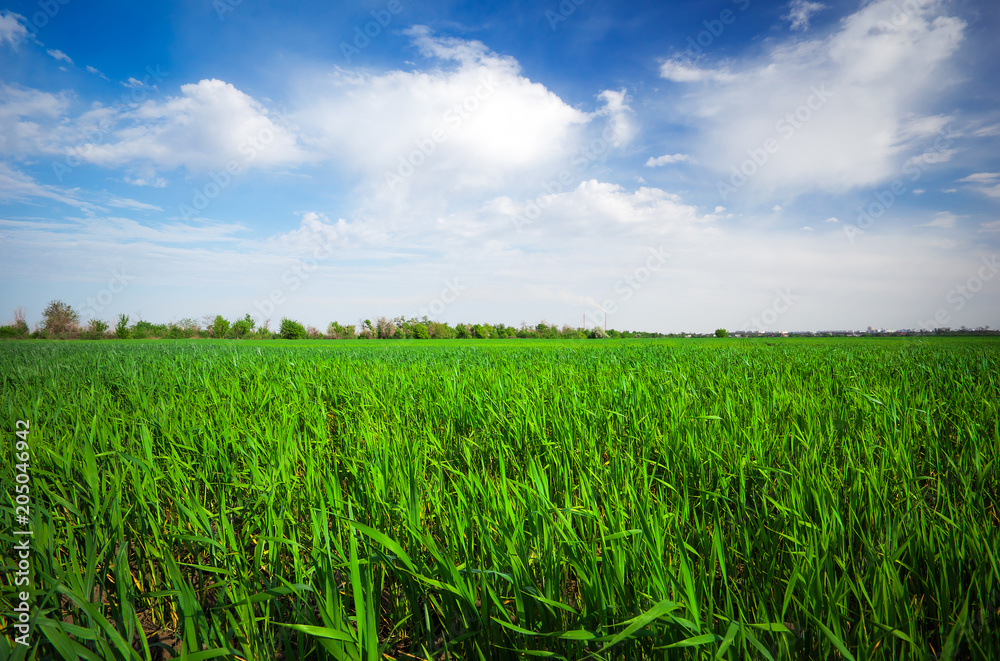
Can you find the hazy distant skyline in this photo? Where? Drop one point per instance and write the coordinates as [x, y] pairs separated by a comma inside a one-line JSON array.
[[682, 166]]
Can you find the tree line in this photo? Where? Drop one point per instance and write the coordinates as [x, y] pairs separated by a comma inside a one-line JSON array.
[[61, 321]]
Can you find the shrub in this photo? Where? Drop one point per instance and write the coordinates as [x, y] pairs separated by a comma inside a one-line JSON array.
[[292, 330], [176, 332], [14, 330], [17, 328], [143, 330], [96, 330]]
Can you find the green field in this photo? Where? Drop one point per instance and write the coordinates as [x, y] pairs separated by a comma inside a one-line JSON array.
[[728, 499]]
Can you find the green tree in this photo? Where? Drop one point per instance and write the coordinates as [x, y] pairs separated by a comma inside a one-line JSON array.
[[721, 332], [440, 331], [244, 326], [292, 330], [219, 327], [121, 327], [59, 319]]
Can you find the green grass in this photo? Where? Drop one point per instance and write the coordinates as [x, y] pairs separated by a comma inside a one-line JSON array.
[[722, 499]]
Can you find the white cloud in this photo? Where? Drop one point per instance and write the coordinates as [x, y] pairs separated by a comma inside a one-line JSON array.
[[806, 228], [96, 72], [987, 131], [942, 219], [12, 29], [992, 226], [601, 209], [15, 186], [619, 115], [448, 48], [59, 55], [987, 183], [685, 71], [22, 102], [981, 178], [844, 111], [315, 231], [134, 205], [799, 13], [666, 159], [832, 219], [475, 125], [210, 125], [28, 119], [155, 182]]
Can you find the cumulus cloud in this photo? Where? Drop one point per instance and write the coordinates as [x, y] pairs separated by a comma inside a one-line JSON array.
[[800, 11], [472, 123], [844, 111], [316, 233], [619, 115], [597, 208], [210, 125], [666, 159]]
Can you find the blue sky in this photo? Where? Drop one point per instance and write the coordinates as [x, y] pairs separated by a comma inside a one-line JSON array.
[[672, 166]]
